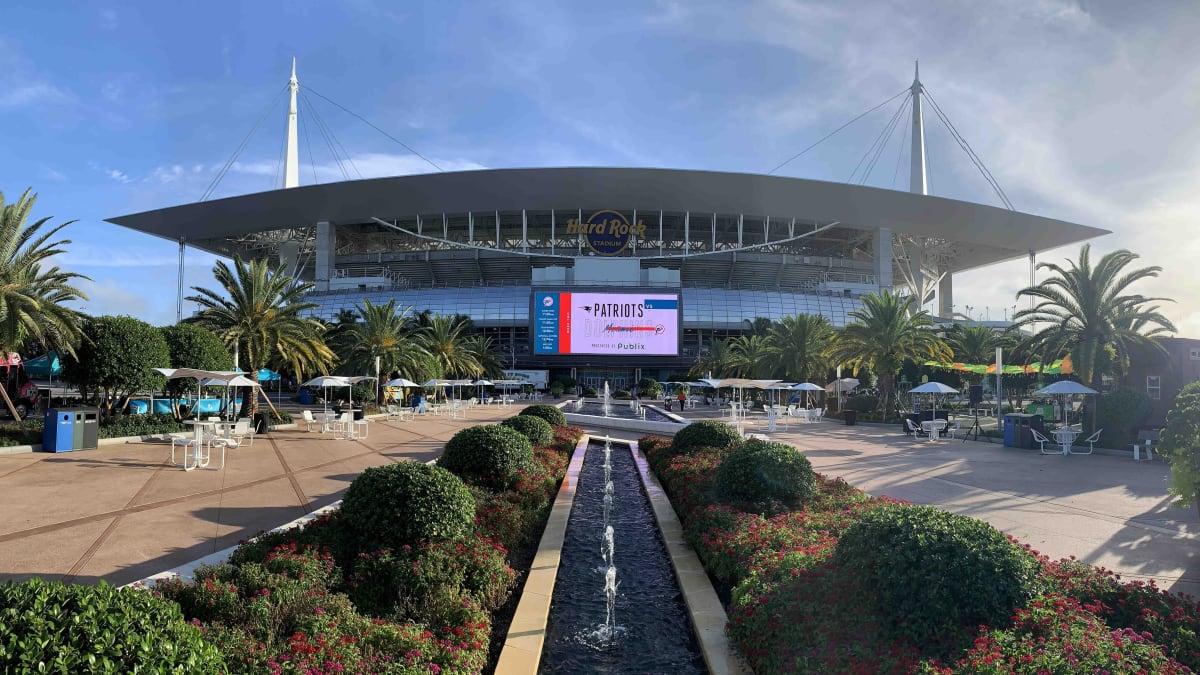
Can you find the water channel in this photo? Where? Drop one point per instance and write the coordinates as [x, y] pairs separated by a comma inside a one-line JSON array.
[[617, 607]]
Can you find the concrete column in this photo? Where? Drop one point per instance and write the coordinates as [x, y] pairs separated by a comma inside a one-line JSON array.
[[326, 240], [946, 294], [883, 257], [916, 267]]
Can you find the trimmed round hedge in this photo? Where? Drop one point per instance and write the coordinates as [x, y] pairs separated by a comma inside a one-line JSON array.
[[488, 455], [550, 413], [934, 572], [705, 434], [408, 503], [763, 471], [52, 627], [537, 430]]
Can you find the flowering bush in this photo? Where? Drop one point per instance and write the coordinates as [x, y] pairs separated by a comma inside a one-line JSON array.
[[794, 607]]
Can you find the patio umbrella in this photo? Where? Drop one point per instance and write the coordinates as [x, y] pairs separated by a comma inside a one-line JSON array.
[[325, 382], [807, 387], [1065, 388], [355, 380], [236, 381], [935, 388]]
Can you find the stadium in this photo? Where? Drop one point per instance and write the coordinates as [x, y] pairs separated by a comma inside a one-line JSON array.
[[611, 274]]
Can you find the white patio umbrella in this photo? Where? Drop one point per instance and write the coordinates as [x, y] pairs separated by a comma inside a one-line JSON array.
[[1065, 388], [236, 381], [326, 381], [935, 388], [807, 387], [198, 374], [481, 384]]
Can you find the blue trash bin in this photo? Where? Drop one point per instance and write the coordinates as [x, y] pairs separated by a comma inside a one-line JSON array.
[[305, 397], [1010, 431], [58, 431]]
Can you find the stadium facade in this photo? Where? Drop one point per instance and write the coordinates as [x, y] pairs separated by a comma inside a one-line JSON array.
[[610, 273]]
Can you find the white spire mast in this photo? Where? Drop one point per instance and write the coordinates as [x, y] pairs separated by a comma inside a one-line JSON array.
[[291, 158], [916, 175]]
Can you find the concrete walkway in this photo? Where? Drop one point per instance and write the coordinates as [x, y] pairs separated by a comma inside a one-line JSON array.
[[1105, 510], [123, 512]]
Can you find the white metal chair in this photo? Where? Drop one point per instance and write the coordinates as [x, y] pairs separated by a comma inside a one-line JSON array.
[[1091, 441], [307, 416], [913, 429], [1042, 441], [361, 429], [241, 431], [345, 425], [951, 429]]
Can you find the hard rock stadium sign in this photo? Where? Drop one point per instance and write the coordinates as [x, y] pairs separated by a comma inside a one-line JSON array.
[[607, 232]]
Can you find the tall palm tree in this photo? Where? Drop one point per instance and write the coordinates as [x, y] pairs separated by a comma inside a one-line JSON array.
[[718, 361], [487, 353], [885, 332], [974, 344], [446, 339], [258, 312], [1085, 311], [753, 356], [383, 333], [33, 300], [798, 344]]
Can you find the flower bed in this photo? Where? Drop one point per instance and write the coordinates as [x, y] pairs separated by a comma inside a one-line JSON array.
[[793, 608], [310, 601]]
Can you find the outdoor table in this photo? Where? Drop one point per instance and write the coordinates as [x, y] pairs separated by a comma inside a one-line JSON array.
[[1065, 436], [933, 428]]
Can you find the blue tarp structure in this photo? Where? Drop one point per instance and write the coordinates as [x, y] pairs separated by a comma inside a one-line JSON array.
[[46, 365], [267, 375]]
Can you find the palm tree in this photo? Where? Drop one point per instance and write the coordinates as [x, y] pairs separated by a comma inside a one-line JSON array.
[[487, 353], [718, 361], [1086, 310], [974, 344], [33, 300], [383, 333], [258, 313], [445, 338], [753, 356], [798, 344], [885, 332]]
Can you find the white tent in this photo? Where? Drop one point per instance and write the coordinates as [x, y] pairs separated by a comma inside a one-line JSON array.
[[1066, 388], [325, 382], [935, 388]]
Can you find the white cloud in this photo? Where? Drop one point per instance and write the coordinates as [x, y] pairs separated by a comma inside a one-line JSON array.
[[35, 93], [110, 297]]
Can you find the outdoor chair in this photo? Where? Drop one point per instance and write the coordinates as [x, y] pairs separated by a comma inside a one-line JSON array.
[[1042, 441], [241, 431], [360, 428], [951, 429], [307, 416], [912, 429], [345, 425], [1091, 441]]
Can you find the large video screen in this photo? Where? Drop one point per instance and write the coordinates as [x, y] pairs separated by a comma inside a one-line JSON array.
[[614, 324]]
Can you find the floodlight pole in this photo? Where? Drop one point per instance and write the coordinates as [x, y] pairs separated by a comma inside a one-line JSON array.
[[999, 390]]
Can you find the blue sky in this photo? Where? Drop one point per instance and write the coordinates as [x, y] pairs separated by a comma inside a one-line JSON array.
[[1084, 112]]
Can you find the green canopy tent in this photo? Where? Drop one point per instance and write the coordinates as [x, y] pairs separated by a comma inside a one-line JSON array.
[[46, 365]]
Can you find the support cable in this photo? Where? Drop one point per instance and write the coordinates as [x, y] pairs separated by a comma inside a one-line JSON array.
[[966, 147], [906, 90], [883, 141], [312, 162], [242, 146], [900, 155], [364, 121], [332, 137], [329, 143]]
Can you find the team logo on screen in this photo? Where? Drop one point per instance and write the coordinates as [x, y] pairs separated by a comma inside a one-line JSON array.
[[548, 301], [657, 330], [607, 232]]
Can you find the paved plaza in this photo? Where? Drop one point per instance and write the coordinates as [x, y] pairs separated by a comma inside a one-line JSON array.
[[122, 512]]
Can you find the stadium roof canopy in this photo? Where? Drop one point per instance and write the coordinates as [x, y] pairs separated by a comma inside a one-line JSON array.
[[980, 235]]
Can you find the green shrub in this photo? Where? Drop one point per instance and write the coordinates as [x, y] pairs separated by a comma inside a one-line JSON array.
[[705, 434], [120, 426], [490, 455], [401, 584], [936, 573], [1119, 413], [622, 395], [862, 403], [762, 472], [51, 627], [405, 503], [547, 412], [537, 430], [588, 392], [556, 388]]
